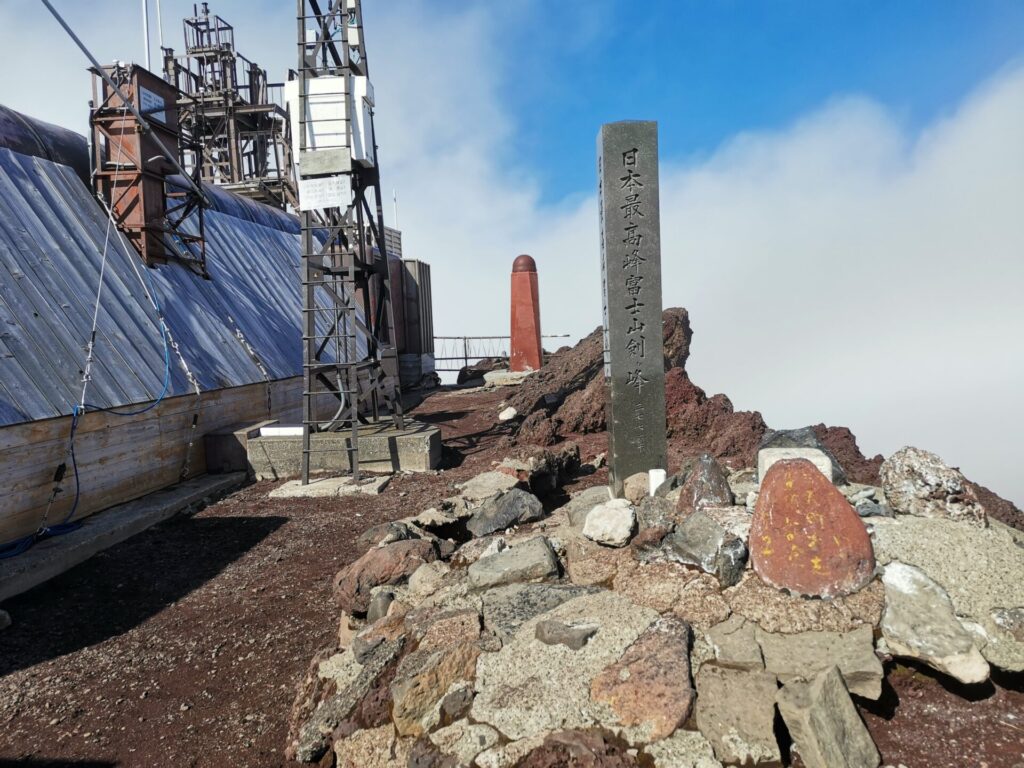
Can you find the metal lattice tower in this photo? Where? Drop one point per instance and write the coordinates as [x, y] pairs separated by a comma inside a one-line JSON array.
[[349, 365], [227, 102]]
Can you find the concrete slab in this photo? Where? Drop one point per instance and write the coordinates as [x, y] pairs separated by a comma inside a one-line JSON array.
[[226, 448], [768, 456], [506, 378], [382, 448], [329, 487], [51, 557]]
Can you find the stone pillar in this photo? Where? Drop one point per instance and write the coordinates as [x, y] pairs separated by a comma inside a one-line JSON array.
[[526, 352], [627, 162]]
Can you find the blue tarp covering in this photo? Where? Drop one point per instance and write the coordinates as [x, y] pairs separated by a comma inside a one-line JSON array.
[[51, 243]]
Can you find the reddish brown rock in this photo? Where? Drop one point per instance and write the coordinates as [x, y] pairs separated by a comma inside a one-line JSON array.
[[380, 565], [842, 444], [649, 686], [580, 749], [805, 536]]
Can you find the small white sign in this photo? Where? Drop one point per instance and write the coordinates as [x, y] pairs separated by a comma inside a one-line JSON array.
[[325, 192], [151, 105]]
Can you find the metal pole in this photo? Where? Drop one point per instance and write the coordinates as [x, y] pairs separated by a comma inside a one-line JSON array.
[[159, 24], [145, 33], [143, 122]]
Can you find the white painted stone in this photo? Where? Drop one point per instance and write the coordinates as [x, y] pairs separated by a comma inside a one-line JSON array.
[[611, 523], [655, 478], [508, 414], [768, 456]]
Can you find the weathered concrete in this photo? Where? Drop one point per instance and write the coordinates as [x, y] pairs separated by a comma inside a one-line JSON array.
[[768, 456], [51, 557], [329, 487], [382, 448]]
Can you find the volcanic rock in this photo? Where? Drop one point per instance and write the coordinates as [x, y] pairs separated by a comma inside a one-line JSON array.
[[528, 687], [611, 523], [423, 678], [389, 564], [464, 740], [919, 623], [918, 483], [683, 749], [981, 569], [352, 686], [827, 732], [479, 368], [572, 636], [735, 645], [486, 485], [803, 655], [699, 540], [531, 560], [513, 507], [841, 445], [506, 609], [636, 487], [777, 611], [372, 748], [706, 485], [806, 537], [582, 502], [736, 713], [648, 688], [580, 749]]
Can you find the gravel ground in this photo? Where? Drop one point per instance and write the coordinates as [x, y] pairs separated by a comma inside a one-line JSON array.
[[183, 645]]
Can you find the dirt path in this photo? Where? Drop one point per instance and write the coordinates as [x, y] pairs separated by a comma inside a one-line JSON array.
[[183, 645]]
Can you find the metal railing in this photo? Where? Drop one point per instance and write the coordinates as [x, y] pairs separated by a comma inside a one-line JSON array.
[[460, 351]]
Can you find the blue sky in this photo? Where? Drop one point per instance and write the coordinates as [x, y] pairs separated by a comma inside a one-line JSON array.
[[842, 183], [707, 70]]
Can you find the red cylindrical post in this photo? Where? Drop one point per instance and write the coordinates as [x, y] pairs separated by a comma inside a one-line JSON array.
[[526, 352]]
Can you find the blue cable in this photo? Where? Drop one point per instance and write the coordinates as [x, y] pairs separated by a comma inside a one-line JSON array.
[[21, 545]]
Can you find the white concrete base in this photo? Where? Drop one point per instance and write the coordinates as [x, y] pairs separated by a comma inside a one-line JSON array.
[[330, 487], [768, 456]]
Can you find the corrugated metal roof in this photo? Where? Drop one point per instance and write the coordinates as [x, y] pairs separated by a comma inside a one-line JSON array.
[[51, 243]]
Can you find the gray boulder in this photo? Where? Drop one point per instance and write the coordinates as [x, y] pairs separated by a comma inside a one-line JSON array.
[[801, 656], [736, 713], [572, 636], [532, 560], [919, 483], [919, 623], [581, 503], [507, 608], [981, 569], [826, 729], [611, 523], [706, 486], [513, 507], [699, 540]]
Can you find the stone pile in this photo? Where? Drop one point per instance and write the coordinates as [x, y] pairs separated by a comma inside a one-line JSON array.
[[670, 630]]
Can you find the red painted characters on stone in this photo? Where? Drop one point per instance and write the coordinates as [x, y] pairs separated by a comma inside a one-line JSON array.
[[805, 536]]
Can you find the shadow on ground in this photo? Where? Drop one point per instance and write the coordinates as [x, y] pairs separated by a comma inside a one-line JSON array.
[[123, 586]]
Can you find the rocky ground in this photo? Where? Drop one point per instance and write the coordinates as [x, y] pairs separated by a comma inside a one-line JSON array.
[[183, 646]]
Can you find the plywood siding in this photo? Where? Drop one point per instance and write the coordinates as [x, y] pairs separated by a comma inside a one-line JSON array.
[[121, 458]]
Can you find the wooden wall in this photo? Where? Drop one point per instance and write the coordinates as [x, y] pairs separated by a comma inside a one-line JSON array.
[[121, 458]]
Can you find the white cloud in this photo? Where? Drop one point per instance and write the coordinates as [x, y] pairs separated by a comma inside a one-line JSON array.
[[842, 269]]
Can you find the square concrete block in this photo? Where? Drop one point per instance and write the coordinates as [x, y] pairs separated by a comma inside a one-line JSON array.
[[382, 448], [768, 456], [227, 448]]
